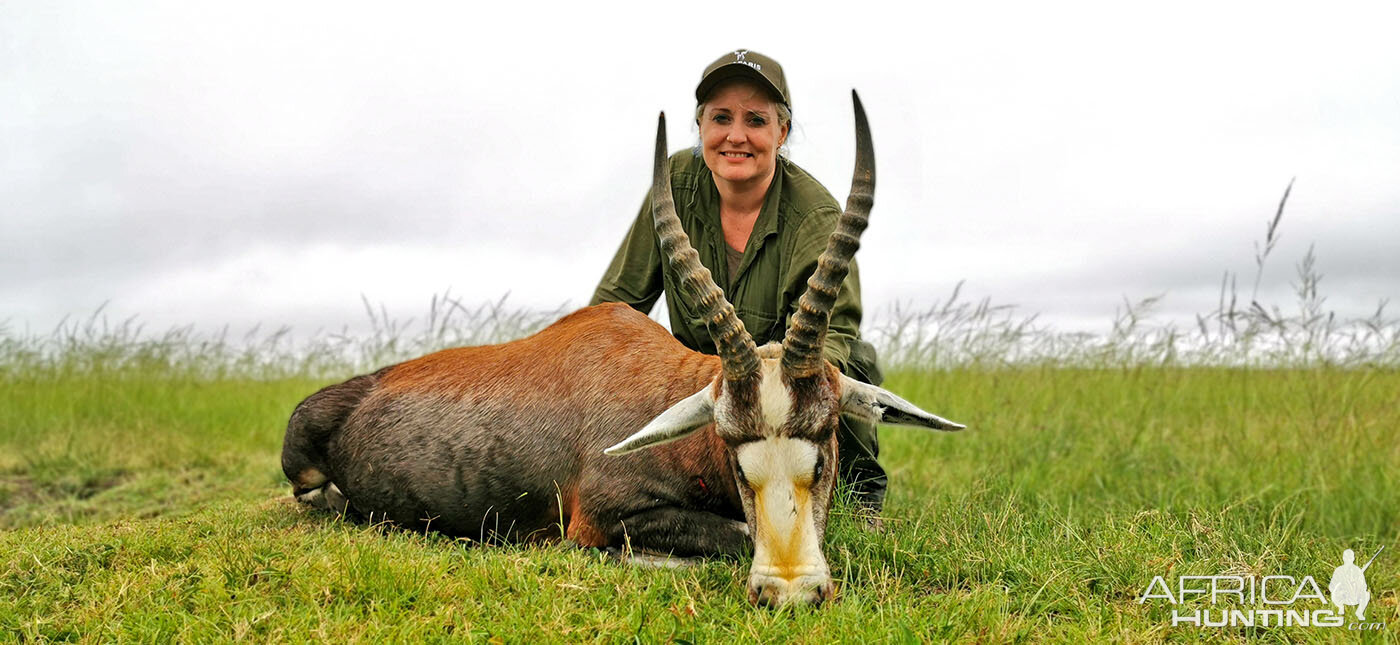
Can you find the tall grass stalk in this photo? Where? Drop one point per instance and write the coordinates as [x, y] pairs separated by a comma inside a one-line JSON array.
[[958, 333], [950, 333]]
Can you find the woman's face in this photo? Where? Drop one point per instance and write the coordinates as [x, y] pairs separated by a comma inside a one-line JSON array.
[[740, 134]]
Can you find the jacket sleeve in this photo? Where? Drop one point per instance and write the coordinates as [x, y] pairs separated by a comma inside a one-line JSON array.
[[844, 348], [634, 276]]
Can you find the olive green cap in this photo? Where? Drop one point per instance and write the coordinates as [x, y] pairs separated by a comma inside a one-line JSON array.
[[745, 63]]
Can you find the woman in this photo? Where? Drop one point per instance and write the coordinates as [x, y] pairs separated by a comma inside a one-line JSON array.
[[758, 222]]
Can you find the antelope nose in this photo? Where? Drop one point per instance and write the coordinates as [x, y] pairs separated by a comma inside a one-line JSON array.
[[774, 592]]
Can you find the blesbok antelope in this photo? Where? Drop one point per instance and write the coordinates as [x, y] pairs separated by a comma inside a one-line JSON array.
[[704, 454]]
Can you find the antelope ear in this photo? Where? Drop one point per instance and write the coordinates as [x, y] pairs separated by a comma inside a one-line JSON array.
[[686, 416], [878, 405]]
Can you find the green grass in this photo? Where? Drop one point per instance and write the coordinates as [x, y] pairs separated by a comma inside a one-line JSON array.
[[146, 504], [141, 498]]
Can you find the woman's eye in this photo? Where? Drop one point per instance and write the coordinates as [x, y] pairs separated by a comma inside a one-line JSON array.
[[757, 121]]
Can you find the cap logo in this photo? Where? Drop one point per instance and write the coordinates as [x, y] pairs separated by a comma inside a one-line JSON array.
[[739, 55]]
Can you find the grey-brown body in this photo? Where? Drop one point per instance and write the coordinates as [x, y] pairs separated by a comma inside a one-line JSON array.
[[506, 442]]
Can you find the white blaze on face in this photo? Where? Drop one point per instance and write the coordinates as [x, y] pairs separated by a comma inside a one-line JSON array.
[[788, 556], [774, 399]]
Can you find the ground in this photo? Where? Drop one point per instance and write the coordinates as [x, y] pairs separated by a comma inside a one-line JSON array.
[[147, 504]]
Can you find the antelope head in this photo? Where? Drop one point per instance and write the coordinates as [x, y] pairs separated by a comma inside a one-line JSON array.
[[777, 407]]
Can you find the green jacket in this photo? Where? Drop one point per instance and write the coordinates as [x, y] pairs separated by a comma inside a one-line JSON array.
[[791, 232]]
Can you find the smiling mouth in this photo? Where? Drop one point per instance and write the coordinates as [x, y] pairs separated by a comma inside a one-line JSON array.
[[736, 155]]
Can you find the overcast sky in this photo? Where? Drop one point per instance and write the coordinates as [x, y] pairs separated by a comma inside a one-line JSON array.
[[243, 163]]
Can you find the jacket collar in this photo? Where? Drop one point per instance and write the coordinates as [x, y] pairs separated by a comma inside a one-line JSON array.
[[707, 198]]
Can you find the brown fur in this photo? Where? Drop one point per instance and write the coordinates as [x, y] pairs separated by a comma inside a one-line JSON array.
[[505, 442]]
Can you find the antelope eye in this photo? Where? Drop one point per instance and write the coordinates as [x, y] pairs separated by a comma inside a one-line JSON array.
[[817, 470], [739, 470]]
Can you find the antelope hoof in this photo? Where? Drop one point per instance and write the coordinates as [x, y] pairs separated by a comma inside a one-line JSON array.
[[325, 498]]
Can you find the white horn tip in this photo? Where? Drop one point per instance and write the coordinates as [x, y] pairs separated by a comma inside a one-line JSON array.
[[949, 426]]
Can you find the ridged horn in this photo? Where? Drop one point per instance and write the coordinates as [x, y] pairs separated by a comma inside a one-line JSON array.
[[802, 346], [736, 349]]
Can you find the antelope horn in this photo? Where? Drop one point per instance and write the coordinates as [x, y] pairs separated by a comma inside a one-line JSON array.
[[737, 352], [802, 346]]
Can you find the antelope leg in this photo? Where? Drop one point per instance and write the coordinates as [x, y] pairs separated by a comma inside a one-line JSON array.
[[675, 531]]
